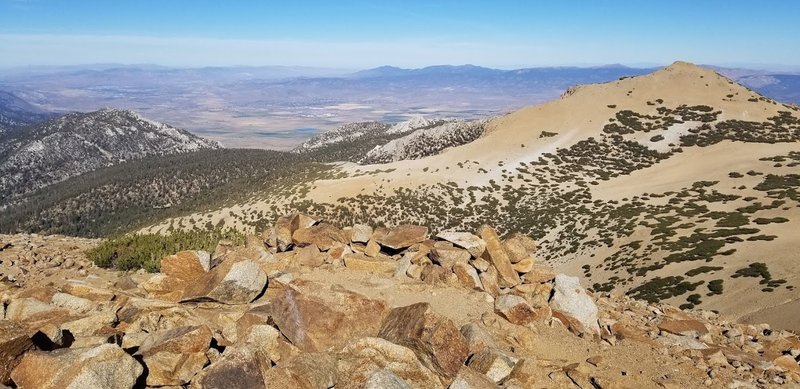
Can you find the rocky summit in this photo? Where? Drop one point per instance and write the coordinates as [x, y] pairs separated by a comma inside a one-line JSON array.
[[308, 304]]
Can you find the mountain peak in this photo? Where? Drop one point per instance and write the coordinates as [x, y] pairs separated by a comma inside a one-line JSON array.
[[689, 68]]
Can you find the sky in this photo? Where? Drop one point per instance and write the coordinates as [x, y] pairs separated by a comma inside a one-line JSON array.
[[409, 33]]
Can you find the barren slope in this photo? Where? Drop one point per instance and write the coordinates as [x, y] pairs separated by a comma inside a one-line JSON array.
[[677, 186]]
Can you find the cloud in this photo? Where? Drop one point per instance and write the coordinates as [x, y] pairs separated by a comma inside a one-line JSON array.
[[52, 49]]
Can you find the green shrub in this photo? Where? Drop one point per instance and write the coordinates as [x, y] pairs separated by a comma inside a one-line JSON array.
[[702, 269], [145, 251], [715, 287]]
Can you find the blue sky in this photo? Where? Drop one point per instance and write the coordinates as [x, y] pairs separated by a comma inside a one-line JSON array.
[[361, 34]]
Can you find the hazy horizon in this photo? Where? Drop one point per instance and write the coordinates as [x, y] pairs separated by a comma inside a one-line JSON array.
[[342, 70], [412, 34]]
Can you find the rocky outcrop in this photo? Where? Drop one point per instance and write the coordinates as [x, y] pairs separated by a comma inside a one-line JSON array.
[[310, 305]]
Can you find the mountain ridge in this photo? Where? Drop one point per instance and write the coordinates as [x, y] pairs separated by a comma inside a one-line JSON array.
[[75, 143]]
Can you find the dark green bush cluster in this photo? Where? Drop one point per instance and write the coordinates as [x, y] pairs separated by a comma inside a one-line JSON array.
[[715, 287], [659, 288], [702, 269], [763, 220], [759, 269], [134, 251]]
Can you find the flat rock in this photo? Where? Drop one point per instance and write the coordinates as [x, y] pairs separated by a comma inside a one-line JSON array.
[[234, 281], [362, 262], [90, 325], [361, 233], [106, 366], [472, 243], [314, 317], [74, 304], [187, 266], [496, 254], [25, 309], [682, 327], [87, 291], [435, 339], [403, 236], [164, 287], [323, 235], [539, 274], [571, 302]]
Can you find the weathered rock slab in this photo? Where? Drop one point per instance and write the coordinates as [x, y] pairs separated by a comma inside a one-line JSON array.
[[496, 254], [314, 317], [14, 342], [403, 236], [104, 366], [435, 339]]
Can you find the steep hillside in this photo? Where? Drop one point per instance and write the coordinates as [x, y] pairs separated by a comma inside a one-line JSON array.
[[130, 195], [16, 113], [344, 134], [373, 142], [676, 186], [427, 141], [53, 151]]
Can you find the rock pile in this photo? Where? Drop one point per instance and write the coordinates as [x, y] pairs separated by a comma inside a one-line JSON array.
[[34, 258], [249, 317]]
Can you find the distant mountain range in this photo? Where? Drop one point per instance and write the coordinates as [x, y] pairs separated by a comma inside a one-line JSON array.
[[265, 107]]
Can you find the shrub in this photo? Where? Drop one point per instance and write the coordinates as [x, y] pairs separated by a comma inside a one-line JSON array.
[[715, 287], [145, 251]]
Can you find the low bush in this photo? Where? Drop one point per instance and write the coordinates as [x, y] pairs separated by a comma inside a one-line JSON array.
[[145, 251]]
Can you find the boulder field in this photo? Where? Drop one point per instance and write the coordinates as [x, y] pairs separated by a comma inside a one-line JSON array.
[[306, 304]]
